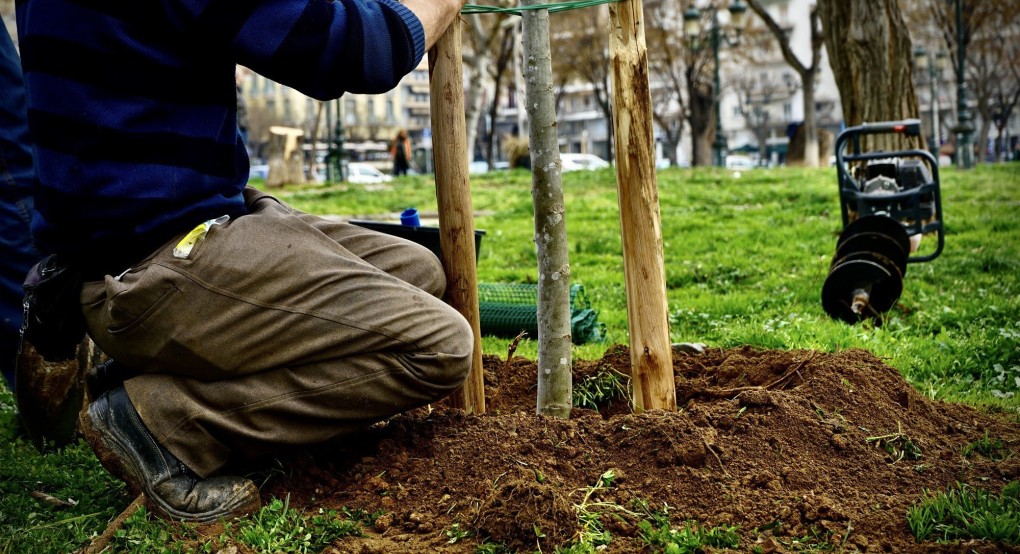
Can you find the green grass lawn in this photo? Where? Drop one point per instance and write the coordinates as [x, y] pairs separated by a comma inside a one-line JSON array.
[[745, 261], [746, 258]]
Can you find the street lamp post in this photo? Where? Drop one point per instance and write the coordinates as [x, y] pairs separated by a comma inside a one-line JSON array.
[[692, 27], [934, 69], [330, 151], [964, 128], [338, 142], [719, 144]]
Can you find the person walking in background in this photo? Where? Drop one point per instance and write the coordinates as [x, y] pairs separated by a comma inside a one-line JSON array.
[[17, 251], [242, 327], [400, 152]]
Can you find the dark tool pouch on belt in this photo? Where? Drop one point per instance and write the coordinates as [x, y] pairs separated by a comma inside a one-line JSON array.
[[54, 323]]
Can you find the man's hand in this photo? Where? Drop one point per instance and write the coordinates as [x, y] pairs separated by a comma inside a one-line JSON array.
[[435, 16]]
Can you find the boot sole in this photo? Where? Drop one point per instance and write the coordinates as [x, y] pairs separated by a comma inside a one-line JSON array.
[[114, 455]]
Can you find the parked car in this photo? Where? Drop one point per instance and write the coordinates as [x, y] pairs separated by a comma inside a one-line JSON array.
[[363, 173], [740, 162], [481, 166], [478, 166], [575, 162]]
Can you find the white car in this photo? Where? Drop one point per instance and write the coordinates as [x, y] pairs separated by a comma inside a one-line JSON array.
[[575, 162], [740, 162], [363, 173]]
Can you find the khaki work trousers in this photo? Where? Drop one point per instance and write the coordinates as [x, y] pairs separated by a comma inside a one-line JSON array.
[[279, 329]]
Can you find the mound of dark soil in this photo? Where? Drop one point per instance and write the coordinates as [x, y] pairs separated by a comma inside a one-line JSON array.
[[781, 444]]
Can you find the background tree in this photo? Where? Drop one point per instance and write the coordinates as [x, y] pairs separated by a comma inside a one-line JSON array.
[[499, 70], [314, 132], [714, 21], [870, 52], [993, 65], [260, 119], [807, 72], [1005, 100], [483, 35], [992, 39], [754, 95], [581, 42], [667, 64]]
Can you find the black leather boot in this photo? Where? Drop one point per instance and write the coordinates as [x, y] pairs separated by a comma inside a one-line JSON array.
[[106, 376], [126, 449]]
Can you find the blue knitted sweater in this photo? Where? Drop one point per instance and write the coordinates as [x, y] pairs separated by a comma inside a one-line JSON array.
[[132, 104]]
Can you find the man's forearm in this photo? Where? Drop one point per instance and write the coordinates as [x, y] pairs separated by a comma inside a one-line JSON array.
[[435, 16]]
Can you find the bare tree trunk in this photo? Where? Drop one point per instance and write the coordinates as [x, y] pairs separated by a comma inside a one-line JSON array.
[[473, 102], [498, 70], [285, 157], [701, 129], [871, 56], [607, 112], [519, 86], [672, 130], [490, 148], [477, 64], [811, 156], [806, 73], [554, 379], [984, 131], [313, 172]]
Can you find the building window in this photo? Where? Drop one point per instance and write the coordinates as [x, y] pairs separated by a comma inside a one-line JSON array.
[[787, 111], [788, 81]]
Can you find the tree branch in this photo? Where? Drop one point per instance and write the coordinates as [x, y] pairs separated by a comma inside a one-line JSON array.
[[784, 42]]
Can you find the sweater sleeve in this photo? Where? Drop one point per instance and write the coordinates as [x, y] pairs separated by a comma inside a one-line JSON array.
[[322, 48]]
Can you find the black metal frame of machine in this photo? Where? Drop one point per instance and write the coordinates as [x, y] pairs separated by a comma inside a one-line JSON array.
[[918, 203], [885, 198]]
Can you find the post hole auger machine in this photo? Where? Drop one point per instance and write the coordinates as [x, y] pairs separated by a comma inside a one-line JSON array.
[[889, 200]]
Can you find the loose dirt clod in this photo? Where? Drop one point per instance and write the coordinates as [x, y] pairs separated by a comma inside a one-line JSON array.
[[542, 514]]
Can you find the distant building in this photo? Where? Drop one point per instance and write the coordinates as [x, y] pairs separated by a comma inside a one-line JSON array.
[[361, 118], [759, 103]]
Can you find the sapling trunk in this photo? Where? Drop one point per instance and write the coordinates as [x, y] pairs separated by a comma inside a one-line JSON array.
[[554, 379]]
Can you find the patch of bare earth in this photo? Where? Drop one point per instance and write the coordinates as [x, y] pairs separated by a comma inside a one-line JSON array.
[[780, 444]]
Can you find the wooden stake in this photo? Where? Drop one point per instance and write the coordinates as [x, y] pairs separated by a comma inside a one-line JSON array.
[[102, 542], [453, 191], [647, 311]]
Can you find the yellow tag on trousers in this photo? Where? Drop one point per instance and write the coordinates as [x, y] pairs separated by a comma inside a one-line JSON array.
[[183, 248]]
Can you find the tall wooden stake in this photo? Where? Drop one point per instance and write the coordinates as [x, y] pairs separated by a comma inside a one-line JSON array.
[[651, 355], [453, 191]]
